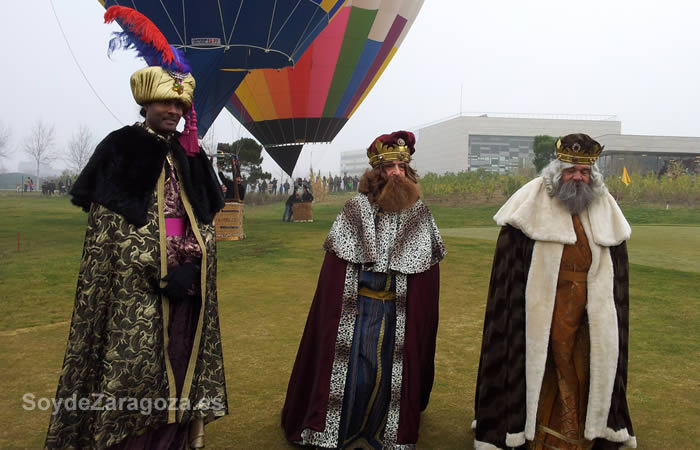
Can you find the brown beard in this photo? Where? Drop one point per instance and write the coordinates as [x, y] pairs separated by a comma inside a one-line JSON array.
[[398, 194]]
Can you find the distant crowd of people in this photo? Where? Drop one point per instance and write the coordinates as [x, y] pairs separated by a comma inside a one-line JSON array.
[[51, 186], [330, 184], [56, 186]]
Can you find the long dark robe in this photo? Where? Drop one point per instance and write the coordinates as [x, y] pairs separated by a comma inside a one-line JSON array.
[[500, 399], [308, 393], [118, 342]]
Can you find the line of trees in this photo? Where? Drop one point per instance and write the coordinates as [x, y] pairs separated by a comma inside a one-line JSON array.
[[674, 187], [39, 144], [4, 140]]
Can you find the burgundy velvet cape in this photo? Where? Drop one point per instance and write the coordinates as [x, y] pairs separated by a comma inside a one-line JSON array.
[[309, 385]]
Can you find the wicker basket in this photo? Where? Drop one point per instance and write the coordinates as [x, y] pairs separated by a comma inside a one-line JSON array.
[[301, 212], [229, 222]]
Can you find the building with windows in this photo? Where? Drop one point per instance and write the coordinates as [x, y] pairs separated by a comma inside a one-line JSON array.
[[353, 162], [643, 154], [504, 143], [497, 142]]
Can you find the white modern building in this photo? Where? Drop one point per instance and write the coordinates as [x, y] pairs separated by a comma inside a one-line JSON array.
[[496, 142], [643, 154], [353, 162], [503, 143]]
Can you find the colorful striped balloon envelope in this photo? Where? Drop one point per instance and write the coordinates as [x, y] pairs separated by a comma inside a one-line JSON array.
[[224, 39], [312, 100]]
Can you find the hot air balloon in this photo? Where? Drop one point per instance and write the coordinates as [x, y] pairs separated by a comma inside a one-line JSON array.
[[223, 39], [311, 101]]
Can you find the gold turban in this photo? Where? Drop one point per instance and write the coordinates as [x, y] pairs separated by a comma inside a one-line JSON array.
[[154, 84]]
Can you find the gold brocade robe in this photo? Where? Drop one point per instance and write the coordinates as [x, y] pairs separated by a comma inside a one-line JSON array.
[[116, 359], [562, 411]]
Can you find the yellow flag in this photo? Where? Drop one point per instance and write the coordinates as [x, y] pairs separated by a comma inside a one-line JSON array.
[[625, 177]]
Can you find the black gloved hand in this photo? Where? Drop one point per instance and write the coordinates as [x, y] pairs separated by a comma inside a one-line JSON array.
[[180, 280]]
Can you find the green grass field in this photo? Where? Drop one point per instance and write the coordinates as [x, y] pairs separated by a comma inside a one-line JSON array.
[[266, 284]]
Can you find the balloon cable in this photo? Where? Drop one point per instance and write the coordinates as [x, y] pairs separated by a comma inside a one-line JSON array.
[[65, 38]]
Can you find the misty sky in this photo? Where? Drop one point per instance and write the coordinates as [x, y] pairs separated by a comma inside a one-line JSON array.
[[637, 60]]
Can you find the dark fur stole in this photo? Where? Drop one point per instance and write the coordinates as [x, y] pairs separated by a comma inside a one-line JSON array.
[[122, 175]]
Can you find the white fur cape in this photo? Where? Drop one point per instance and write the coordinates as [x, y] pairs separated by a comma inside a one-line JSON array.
[[546, 220]]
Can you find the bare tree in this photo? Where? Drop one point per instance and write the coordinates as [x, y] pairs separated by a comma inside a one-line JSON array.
[[4, 140], [80, 148], [39, 144]]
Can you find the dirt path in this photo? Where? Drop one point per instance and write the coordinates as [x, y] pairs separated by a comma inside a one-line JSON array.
[[19, 331]]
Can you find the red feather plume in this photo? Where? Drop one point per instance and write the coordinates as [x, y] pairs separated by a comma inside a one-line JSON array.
[[143, 28]]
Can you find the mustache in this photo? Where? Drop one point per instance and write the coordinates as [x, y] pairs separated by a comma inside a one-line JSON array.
[[576, 195], [570, 189]]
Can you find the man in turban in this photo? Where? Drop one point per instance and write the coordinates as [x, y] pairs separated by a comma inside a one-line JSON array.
[[144, 363], [553, 366], [364, 370]]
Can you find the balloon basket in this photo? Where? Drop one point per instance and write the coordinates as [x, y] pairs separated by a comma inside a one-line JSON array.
[[301, 212], [229, 222]]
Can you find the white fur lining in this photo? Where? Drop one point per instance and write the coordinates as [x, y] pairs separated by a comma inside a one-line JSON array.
[[622, 436], [512, 440], [608, 225], [602, 323], [545, 218], [515, 440], [479, 445], [539, 305], [631, 443], [539, 298], [541, 217]]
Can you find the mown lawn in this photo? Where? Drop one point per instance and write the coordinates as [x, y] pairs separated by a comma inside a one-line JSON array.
[[266, 284]]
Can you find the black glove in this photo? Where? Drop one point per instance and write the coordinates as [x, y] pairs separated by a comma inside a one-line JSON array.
[[180, 280]]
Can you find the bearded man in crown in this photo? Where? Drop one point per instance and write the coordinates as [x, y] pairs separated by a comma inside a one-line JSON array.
[[365, 366], [553, 366]]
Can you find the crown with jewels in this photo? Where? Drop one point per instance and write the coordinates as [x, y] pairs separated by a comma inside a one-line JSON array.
[[397, 146], [578, 148]]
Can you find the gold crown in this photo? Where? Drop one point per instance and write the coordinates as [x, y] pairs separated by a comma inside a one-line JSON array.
[[383, 153], [585, 153]]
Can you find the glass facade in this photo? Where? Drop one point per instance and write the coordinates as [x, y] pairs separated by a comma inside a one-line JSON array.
[[354, 163], [611, 163], [500, 154]]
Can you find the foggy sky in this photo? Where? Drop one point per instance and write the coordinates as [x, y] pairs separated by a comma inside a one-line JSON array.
[[637, 60]]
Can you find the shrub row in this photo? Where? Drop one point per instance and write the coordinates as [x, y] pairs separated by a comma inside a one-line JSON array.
[[489, 186]]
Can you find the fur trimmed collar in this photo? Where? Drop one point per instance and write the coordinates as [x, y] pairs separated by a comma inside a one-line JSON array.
[[544, 218], [407, 242], [123, 172]]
